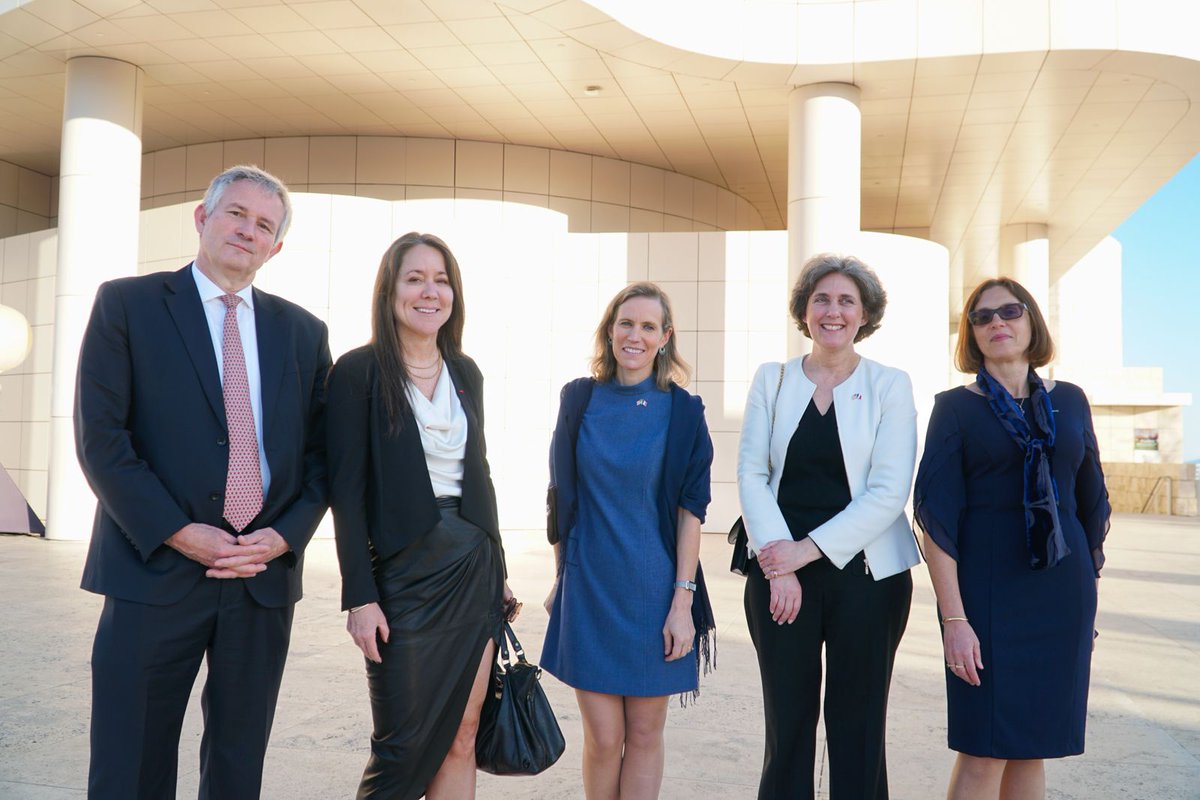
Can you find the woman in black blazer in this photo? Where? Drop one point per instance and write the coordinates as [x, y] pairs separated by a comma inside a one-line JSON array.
[[414, 512]]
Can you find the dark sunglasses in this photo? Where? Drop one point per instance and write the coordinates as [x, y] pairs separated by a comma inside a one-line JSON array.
[[982, 316]]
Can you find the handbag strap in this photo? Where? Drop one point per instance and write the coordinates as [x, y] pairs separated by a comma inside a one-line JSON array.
[[771, 430], [506, 636]]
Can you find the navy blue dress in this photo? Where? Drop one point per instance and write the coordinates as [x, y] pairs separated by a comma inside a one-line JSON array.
[[617, 576], [1034, 627]]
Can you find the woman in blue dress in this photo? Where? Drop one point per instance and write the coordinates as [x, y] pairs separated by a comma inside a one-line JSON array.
[[629, 474], [1012, 501]]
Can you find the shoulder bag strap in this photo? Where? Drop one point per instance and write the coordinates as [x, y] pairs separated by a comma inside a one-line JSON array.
[[771, 430]]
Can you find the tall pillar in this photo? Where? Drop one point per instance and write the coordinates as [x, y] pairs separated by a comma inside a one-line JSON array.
[[1025, 257], [824, 177], [99, 193]]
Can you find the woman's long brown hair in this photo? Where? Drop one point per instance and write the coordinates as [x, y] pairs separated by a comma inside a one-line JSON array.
[[385, 330]]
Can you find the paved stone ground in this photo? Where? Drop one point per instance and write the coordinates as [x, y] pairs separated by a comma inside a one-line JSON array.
[[1143, 733]]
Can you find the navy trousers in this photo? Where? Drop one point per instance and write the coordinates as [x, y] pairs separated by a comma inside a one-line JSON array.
[[144, 663]]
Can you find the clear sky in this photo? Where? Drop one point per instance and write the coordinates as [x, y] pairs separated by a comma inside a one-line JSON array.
[[1161, 286]]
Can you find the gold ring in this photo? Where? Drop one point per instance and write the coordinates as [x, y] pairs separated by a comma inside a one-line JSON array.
[[954, 666]]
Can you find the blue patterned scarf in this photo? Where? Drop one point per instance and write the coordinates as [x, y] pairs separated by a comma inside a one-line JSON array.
[[1043, 533]]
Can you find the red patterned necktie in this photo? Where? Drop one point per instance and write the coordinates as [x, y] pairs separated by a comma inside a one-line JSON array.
[[243, 482]]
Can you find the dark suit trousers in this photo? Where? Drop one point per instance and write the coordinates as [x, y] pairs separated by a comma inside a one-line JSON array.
[[144, 662], [859, 622]]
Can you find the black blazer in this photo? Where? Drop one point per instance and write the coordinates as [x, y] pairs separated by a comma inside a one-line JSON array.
[[379, 487], [151, 435]]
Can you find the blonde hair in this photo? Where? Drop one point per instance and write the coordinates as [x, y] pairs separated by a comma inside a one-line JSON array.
[[669, 366]]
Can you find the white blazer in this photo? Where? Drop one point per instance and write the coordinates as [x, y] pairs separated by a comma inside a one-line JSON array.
[[877, 426]]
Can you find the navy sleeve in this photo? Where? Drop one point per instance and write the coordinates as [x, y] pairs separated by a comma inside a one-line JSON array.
[[1091, 494], [348, 450], [696, 492], [940, 497]]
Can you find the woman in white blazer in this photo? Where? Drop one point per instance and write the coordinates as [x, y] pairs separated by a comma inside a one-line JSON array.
[[824, 471]]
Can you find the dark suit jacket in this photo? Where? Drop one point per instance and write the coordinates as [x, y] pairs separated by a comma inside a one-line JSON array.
[[151, 435], [379, 487]]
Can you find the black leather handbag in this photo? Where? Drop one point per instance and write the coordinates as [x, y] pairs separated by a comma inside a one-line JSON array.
[[739, 562], [518, 733]]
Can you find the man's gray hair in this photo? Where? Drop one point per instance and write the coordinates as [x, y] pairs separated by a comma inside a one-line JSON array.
[[259, 177]]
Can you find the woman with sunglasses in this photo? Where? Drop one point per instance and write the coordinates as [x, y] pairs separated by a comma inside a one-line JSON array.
[[1012, 502]]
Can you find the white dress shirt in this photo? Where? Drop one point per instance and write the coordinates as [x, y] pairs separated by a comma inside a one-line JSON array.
[[443, 427], [214, 310]]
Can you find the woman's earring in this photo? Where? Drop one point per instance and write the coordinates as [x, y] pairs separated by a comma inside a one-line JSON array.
[[610, 341], [662, 351]]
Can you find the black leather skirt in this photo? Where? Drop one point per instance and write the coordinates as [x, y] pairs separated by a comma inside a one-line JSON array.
[[442, 597]]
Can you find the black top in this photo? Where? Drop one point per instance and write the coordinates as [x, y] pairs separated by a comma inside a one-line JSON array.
[[813, 487]]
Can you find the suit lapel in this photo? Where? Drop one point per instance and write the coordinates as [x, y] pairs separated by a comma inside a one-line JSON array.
[[183, 304], [272, 337]]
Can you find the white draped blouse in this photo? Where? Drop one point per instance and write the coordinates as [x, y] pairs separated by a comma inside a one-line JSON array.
[[442, 424]]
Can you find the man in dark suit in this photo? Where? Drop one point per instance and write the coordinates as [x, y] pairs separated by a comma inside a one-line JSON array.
[[198, 423]]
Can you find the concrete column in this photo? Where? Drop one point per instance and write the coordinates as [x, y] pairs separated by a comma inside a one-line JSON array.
[[824, 177], [1025, 257], [98, 205]]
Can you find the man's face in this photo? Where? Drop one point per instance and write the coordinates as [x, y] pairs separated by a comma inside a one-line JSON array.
[[238, 236]]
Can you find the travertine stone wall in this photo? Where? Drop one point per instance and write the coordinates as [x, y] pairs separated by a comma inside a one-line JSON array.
[[1152, 488]]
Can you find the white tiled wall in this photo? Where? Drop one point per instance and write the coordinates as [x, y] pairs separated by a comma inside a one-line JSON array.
[[596, 194], [27, 263], [1124, 398], [1115, 426], [26, 200], [532, 312], [534, 288], [533, 309]]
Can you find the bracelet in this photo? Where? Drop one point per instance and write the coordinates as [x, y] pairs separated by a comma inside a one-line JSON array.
[[689, 585], [954, 619], [356, 609]]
